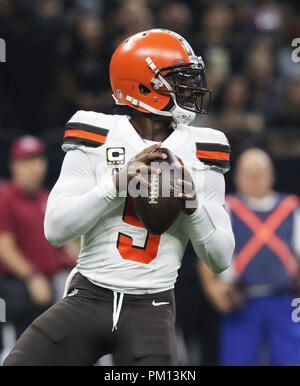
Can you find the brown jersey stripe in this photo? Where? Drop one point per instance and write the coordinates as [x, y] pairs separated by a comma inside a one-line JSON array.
[[205, 146], [215, 162], [87, 127], [214, 154]]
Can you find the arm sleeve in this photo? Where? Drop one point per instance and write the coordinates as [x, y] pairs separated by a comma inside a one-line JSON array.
[[76, 202], [209, 227]]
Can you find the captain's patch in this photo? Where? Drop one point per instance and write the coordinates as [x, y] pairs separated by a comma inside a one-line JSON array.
[[115, 155]]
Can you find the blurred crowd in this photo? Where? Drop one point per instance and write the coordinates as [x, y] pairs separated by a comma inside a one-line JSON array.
[[58, 54], [59, 51]]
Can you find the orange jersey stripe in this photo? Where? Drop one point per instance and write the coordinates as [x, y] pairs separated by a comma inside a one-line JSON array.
[[213, 155], [85, 135]]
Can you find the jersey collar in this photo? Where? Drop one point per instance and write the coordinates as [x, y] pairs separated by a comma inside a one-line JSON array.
[[176, 140]]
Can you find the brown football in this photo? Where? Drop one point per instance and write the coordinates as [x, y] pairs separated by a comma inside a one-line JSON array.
[[161, 207]]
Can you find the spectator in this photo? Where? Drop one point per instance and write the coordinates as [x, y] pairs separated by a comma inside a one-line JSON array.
[[263, 85], [29, 263], [33, 38], [290, 30], [84, 78], [256, 293], [176, 16], [235, 115], [215, 38], [130, 17], [288, 112]]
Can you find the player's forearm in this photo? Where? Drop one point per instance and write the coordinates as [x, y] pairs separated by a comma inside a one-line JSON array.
[[217, 251], [68, 218], [213, 241], [206, 276]]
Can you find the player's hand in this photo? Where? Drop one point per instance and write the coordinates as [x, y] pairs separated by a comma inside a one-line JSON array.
[[187, 187], [39, 289], [225, 296], [137, 166]]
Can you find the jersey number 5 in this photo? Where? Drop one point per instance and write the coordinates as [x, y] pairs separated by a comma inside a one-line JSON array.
[[125, 246]]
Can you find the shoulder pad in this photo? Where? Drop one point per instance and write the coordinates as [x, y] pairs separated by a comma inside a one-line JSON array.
[[212, 148], [86, 128]]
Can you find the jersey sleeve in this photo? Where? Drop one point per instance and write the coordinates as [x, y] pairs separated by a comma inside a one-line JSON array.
[[85, 128], [209, 227], [76, 202], [213, 148]]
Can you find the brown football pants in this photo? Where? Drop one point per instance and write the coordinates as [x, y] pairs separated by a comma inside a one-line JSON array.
[[77, 330]]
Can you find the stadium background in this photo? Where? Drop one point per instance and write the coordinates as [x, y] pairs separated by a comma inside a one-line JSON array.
[[58, 54]]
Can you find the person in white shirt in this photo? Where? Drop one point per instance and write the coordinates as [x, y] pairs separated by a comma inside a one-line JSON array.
[[120, 297]]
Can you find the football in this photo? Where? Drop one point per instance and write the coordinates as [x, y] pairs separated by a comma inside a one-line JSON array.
[[161, 206]]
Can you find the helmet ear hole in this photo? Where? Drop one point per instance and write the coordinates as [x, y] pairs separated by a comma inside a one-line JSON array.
[[144, 90]]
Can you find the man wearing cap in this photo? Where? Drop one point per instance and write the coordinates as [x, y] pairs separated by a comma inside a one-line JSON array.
[[28, 262]]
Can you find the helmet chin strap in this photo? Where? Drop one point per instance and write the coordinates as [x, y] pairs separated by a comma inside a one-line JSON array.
[[179, 114]]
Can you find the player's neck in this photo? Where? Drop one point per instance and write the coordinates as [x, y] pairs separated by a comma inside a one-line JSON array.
[[154, 127]]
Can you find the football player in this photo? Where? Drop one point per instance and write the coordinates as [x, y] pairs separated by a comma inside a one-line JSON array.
[[120, 299]]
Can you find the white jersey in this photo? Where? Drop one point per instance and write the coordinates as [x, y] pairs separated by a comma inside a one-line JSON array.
[[117, 252]]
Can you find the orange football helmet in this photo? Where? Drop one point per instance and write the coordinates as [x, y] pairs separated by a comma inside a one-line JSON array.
[[156, 71]]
